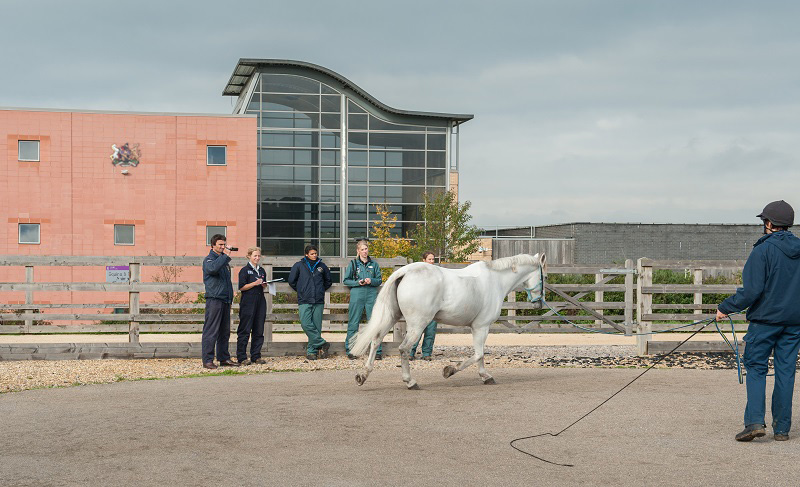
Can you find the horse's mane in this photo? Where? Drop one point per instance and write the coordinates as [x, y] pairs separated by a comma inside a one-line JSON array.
[[514, 260]]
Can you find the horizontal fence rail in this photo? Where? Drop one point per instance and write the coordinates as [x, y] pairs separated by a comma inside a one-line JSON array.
[[605, 298]]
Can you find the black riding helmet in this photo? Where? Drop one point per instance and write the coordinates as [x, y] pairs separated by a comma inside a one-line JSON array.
[[780, 213]]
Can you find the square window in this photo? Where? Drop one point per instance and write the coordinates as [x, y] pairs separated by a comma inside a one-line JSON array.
[[124, 235], [217, 155], [28, 150], [29, 233], [211, 231]]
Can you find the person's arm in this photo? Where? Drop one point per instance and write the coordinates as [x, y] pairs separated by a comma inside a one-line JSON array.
[[349, 276], [753, 281], [294, 274], [326, 276], [376, 281], [214, 266], [243, 284]]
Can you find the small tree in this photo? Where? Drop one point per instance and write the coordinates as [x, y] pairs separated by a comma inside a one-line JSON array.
[[446, 231], [382, 243]]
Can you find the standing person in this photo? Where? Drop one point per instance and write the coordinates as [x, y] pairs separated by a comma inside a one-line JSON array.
[[310, 277], [219, 296], [430, 331], [252, 309], [770, 290], [363, 276]]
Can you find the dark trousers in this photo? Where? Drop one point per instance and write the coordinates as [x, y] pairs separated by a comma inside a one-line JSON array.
[[252, 313], [217, 330]]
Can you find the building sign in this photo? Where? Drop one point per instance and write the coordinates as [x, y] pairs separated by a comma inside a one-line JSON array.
[[125, 155], [118, 273]]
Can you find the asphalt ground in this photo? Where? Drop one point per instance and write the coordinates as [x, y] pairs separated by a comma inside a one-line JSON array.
[[671, 427]]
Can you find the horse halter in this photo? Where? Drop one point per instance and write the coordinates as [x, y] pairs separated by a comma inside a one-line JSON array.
[[538, 287]]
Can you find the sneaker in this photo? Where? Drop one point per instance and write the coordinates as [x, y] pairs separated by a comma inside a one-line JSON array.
[[378, 356], [751, 431], [311, 357], [245, 362], [323, 350], [427, 357], [781, 436]]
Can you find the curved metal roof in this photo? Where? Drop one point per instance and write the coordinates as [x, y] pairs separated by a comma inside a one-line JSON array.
[[245, 68]]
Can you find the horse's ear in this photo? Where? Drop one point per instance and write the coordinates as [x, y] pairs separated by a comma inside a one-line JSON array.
[[543, 261], [513, 267]]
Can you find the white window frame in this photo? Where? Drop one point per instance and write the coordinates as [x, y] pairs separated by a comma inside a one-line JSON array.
[[38, 234], [38, 151], [211, 234], [133, 227], [208, 159]]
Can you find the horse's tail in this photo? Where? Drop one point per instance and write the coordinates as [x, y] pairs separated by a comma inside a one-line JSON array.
[[385, 314]]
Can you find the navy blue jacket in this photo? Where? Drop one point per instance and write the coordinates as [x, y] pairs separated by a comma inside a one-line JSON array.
[[770, 282], [310, 280], [217, 277], [247, 275]]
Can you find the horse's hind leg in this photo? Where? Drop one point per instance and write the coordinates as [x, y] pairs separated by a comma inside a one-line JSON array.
[[361, 377], [412, 335]]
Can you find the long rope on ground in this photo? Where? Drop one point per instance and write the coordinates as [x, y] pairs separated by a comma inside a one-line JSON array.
[[707, 322]]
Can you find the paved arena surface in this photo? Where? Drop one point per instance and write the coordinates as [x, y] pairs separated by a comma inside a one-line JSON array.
[[672, 427]]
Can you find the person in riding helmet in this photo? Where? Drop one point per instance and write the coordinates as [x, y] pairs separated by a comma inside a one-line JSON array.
[[770, 291]]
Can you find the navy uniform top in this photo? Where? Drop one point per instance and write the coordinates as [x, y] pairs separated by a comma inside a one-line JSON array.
[[217, 277], [249, 274]]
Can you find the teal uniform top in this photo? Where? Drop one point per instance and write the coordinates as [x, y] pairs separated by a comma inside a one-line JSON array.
[[357, 270]]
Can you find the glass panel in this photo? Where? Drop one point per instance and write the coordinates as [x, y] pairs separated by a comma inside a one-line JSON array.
[[282, 247], [288, 103], [377, 175], [409, 159], [376, 193], [436, 159], [330, 121], [357, 158], [356, 212], [413, 177], [411, 213], [353, 108], [255, 102], [288, 156], [216, 155], [272, 191], [29, 233], [329, 175], [285, 83], [357, 174], [436, 177], [289, 139], [28, 150], [290, 229], [377, 158], [329, 229], [357, 229], [395, 210], [378, 124], [396, 141], [329, 193], [290, 120], [331, 104], [306, 174], [357, 140], [212, 230], [290, 211], [436, 142], [329, 212], [123, 234], [328, 90], [356, 193], [413, 194], [331, 140], [437, 129], [329, 158], [357, 122]]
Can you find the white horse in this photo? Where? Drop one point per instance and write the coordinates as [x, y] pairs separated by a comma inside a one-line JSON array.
[[471, 296]]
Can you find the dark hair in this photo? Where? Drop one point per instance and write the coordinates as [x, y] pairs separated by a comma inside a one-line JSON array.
[[426, 254], [217, 237], [309, 248]]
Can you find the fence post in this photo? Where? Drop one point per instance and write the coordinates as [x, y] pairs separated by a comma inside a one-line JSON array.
[[133, 304], [698, 297], [268, 323], [28, 298], [598, 298], [512, 298], [399, 330], [629, 297], [645, 306]]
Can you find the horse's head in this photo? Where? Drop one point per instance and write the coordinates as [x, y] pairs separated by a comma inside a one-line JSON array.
[[534, 284]]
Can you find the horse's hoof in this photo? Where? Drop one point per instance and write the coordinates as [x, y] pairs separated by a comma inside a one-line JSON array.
[[489, 382], [448, 371], [413, 387], [360, 379]]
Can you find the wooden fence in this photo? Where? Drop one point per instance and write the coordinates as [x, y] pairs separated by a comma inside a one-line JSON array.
[[585, 303]]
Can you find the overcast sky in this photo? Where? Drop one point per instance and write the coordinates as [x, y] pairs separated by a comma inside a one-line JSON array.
[[599, 111]]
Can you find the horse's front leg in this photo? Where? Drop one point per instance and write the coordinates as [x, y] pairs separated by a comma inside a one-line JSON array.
[[361, 377], [479, 335]]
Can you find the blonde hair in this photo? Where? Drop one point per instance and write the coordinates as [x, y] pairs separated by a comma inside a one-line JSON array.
[[363, 242], [253, 249]]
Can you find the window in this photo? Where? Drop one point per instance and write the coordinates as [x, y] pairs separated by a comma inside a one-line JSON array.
[[29, 233], [28, 150], [211, 231], [124, 235], [216, 155]]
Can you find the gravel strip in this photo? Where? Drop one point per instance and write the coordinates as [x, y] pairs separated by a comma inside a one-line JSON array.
[[35, 374]]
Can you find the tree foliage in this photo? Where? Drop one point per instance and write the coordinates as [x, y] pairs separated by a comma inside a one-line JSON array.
[[382, 242], [446, 231]]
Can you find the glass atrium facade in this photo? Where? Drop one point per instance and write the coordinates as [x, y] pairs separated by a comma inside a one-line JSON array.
[[328, 155]]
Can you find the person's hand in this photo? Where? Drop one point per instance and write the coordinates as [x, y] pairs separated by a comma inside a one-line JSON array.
[[367, 280], [721, 316], [361, 282], [259, 281]]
